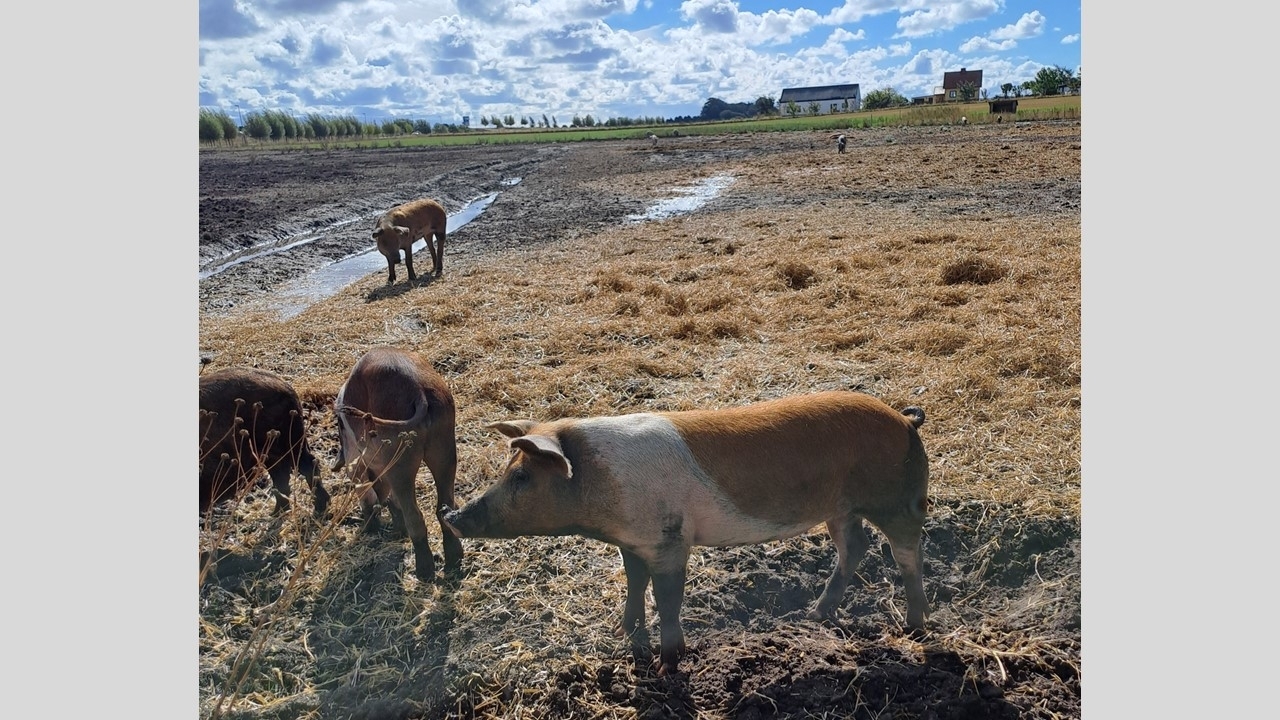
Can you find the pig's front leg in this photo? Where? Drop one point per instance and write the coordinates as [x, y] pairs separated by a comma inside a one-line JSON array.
[[633, 620]]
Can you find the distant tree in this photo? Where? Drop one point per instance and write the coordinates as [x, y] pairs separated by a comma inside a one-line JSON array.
[[1051, 80], [509, 120], [422, 126], [256, 126], [275, 121], [1028, 87], [883, 98], [388, 127], [545, 122], [554, 124], [765, 106], [792, 108], [484, 121], [1005, 89], [319, 128], [814, 108], [210, 126], [229, 130], [712, 108], [968, 91]]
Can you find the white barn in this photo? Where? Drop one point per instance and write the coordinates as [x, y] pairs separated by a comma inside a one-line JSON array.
[[829, 98]]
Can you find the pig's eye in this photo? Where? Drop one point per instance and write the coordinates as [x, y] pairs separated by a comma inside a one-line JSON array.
[[519, 476]]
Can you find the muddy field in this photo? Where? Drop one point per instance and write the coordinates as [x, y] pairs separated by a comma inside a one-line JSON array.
[[1002, 578]]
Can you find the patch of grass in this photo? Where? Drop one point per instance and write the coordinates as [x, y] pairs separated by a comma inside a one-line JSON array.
[[974, 270]]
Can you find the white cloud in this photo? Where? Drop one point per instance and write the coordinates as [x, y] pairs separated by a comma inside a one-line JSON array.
[[1028, 26], [444, 58], [1073, 38], [854, 10], [945, 16], [719, 16], [841, 35], [981, 44], [776, 27]]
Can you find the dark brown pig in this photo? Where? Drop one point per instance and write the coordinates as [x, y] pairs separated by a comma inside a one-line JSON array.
[[395, 413], [656, 484], [250, 425]]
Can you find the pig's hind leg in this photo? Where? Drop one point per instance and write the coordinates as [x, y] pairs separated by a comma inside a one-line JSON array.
[[851, 541]]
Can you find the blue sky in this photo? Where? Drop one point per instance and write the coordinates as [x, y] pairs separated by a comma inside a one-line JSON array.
[[441, 59]]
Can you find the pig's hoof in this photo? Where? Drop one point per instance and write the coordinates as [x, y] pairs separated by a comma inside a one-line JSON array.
[[819, 615], [453, 573], [666, 670]]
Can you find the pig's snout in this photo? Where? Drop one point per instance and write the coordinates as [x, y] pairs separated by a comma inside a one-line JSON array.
[[447, 520], [467, 521]]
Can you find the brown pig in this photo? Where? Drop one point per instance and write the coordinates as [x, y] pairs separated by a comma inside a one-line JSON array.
[[395, 413], [656, 484], [401, 226], [251, 421]]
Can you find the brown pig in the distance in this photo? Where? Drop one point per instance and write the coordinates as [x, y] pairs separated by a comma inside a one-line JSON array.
[[395, 414], [656, 484], [401, 226]]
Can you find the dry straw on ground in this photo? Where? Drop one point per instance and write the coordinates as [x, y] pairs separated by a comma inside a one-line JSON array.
[[974, 316]]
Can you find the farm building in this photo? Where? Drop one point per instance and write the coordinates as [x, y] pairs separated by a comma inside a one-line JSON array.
[[828, 99], [1003, 105], [953, 84]]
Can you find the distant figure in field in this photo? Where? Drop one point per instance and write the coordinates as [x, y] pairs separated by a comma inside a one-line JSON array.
[[840, 144], [653, 140]]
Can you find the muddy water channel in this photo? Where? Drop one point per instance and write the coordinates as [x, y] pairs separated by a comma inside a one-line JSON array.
[[299, 294], [330, 275]]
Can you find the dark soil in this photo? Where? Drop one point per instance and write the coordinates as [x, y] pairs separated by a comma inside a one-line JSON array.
[[249, 200], [1011, 583]]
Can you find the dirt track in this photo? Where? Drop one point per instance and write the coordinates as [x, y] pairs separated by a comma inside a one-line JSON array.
[[754, 657]]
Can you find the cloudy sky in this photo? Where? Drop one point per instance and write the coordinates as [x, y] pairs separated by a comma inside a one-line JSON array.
[[441, 59]]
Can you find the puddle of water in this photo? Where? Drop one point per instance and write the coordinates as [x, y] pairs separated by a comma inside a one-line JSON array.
[[691, 198], [296, 296], [269, 249]]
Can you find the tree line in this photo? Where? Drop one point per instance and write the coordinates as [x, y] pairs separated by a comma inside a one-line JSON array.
[[217, 125]]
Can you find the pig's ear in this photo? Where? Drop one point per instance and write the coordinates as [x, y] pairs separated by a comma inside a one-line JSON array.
[[512, 428], [545, 447]]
